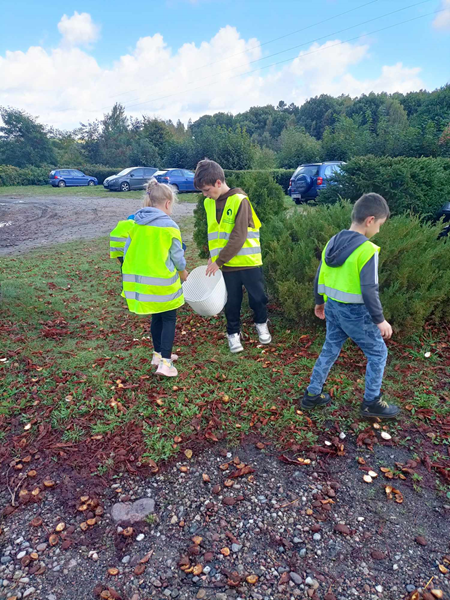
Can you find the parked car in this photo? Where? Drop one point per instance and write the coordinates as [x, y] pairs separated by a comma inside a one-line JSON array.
[[309, 179], [445, 212], [133, 178], [68, 177], [180, 179]]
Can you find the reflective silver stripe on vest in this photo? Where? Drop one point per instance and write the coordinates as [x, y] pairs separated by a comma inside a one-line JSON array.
[[116, 249], [223, 235], [153, 297], [218, 235], [150, 280], [242, 252], [254, 250], [117, 239], [340, 296]]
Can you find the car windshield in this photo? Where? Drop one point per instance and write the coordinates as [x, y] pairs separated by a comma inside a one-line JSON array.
[[310, 170], [124, 172], [159, 173]]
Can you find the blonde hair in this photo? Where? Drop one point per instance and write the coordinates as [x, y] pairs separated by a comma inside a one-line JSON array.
[[157, 194]]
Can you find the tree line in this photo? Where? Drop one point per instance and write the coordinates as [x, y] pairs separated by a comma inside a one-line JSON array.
[[263, 137]]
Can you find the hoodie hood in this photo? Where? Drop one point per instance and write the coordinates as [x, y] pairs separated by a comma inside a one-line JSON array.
[[231, 192], [341, 246], [150, 215]]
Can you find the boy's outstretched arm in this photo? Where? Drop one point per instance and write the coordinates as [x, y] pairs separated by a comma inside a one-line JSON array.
[[319, 309], [370, 293]]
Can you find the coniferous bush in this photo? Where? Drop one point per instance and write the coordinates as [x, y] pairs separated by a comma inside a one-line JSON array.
[[414, 268]]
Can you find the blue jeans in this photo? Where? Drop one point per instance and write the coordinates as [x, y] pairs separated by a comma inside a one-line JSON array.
[[351, 321]]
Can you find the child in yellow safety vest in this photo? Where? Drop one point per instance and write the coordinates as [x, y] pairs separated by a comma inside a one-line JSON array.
[[153, 269], [346, 294], [234, 247], [118, 238]]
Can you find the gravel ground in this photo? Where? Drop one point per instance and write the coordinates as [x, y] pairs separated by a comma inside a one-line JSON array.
[[282, 531], [45, 220]]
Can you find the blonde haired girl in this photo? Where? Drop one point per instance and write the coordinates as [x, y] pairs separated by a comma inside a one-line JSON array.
[[153, 269]]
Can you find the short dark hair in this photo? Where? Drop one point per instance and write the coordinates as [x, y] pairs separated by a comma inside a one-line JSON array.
[[370, 205], [207, 173]]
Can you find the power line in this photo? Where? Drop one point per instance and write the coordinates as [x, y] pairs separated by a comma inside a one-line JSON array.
[[281, 52], [268, 42], [294, 57], [287, 35]]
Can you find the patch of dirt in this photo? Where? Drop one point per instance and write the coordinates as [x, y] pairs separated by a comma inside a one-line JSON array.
[[46, 220], [278, 530]]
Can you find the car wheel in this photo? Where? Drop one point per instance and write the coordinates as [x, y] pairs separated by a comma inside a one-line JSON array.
[[91, 182], [298, 201], [303, 184], [124, 186], [61, 183], [176, 189]]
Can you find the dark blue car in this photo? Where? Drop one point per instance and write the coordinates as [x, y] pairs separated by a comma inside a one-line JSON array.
[[180, 179], [309, 179], [68, 177]]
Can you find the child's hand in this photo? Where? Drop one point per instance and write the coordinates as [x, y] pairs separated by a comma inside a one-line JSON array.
[[211, 269], [385, 330], [319, 311], [183, 275]]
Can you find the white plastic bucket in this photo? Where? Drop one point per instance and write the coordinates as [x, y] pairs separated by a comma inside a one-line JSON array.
[[205, 295]]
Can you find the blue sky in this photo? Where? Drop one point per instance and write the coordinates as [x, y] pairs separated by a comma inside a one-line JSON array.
[[105, 60]]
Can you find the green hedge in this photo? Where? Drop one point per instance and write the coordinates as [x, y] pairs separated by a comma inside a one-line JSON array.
[[39, 175], [292, 245], [266, 196], [29, 176], [280, 176], [419, 185]]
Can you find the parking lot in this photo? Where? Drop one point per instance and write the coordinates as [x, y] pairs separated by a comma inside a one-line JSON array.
[[52, 216]]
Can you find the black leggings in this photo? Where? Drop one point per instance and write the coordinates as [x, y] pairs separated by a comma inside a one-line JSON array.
[[253, 281], [163, 332]]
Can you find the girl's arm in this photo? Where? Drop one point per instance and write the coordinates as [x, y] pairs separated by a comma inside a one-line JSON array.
[[176, 254]]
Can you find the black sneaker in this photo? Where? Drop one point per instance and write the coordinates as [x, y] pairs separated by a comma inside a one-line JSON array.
[[379, 408], [308, 402]]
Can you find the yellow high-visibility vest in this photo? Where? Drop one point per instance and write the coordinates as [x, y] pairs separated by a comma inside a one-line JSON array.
[[149, 285], [219, 233], [118, 238], [343, 283]]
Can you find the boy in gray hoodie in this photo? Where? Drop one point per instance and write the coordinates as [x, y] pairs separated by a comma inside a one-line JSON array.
[[346, 295]]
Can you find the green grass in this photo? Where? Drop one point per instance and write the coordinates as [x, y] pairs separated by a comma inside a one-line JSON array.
[[30, 191], [79, 363]]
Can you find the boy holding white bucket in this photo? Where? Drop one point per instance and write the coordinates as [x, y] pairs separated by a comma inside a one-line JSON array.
[[234, 246]]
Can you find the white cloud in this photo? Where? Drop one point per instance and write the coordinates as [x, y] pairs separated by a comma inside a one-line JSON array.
[[442, 19], [78, 30], [194, 80]]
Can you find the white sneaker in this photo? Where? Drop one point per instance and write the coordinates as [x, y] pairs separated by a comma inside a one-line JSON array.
[[157, 358], [234, 342], [263, 333], [166, 369]]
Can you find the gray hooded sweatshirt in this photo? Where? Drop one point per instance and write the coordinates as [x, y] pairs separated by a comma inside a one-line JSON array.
[[154, 217], [339, 248]]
